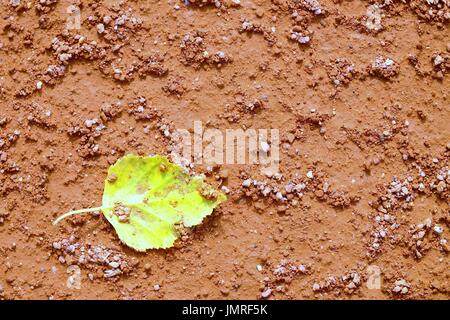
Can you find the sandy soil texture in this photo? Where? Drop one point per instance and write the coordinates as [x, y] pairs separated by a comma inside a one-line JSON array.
[[359, 91]]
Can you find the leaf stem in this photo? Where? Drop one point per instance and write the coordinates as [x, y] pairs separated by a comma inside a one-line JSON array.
[[75, 212], [71, 213]]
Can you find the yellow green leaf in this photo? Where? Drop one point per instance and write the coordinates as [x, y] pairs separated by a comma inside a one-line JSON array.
[[147, 199]]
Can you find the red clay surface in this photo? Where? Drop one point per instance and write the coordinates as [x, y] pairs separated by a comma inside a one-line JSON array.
[[362, 106]]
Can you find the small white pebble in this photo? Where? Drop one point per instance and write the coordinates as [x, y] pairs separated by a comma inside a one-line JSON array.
[[225, 189], [100, 28], [266, 293], [247, 183], [438, 229]]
